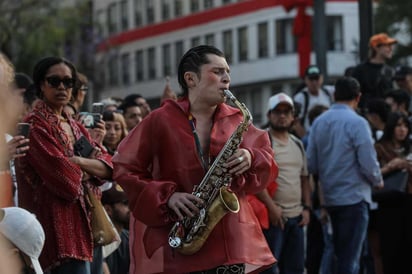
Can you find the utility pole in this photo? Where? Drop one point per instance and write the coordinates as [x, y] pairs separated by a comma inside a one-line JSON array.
[[319, 36], [365, 27]]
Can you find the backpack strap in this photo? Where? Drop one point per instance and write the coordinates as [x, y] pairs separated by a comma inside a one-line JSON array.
[[298, 143], [306, 101], [294, 138], [327, 93], [306, 105]]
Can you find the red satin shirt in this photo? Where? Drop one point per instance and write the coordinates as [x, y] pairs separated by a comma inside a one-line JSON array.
[[159, 157]]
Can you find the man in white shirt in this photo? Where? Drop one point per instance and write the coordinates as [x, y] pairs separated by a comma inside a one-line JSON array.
[[314, 93]]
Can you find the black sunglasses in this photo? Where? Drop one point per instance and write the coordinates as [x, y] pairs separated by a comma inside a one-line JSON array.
[[54, 81]]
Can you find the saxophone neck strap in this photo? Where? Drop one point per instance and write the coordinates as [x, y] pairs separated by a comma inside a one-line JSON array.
[[203, 159]]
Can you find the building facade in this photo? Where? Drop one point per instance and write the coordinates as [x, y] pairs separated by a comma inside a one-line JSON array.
[[140, 43]]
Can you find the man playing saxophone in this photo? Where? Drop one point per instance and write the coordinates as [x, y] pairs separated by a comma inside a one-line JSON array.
[[162, 160]]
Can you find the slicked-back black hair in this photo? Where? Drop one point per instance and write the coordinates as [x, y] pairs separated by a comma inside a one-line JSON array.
[[192, 60]]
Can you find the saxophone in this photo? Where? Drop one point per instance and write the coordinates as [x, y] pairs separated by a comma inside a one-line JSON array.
[[188, 235]]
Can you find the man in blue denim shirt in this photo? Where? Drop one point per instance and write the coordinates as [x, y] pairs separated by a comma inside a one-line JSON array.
[[341, 152]]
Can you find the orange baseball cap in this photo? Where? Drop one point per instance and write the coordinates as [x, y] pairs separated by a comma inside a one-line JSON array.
[[381, 39]]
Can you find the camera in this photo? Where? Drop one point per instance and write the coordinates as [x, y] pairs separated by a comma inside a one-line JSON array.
[[89, 120], [98, 108]]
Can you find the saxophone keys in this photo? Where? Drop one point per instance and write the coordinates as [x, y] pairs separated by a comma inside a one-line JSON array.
[[219, 172]]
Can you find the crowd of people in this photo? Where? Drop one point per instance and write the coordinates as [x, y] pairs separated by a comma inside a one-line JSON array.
[[46, 172], [357, 139], [308, 191]]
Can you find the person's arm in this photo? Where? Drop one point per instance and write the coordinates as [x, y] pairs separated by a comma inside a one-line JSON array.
[[93, 167], [306, 199], [395, 164], [133, 165], [98, 132], [6, 183], [324, 215], [99, 162], [311, 152], [6, 189], [105, 268], [366, 154], [274, 211]]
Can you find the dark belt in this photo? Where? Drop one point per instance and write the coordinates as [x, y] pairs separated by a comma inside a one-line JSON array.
[[224, 269]]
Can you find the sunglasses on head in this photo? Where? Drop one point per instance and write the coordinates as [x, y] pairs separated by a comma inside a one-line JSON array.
[[54, 81]]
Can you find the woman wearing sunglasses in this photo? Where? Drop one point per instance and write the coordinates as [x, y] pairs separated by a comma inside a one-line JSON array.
[[52, 179]]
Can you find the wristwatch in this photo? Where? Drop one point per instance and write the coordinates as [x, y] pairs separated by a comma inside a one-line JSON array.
[[306, 207]]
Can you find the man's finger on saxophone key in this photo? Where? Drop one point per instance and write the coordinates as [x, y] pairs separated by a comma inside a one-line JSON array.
[[184, 204], [236, 159], [239, 162]]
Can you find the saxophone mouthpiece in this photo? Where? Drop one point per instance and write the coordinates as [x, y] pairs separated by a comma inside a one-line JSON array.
[[228, 94]]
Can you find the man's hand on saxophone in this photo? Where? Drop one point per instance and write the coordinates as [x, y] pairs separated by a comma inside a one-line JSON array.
[[239, 162], [184, 204]]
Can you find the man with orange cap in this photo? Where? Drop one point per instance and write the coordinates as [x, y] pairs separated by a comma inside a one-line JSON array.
[[374, 75]]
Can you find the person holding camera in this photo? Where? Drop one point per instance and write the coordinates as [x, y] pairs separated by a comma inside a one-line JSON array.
[[54, 175]]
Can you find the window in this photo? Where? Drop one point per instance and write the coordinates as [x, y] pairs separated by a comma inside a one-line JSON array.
[[263, 46], [139, 65], [150, 11], [334, 32], [195, 41], [100, 73], [179, 51], [112, 19], [243, 43], [210, 39], [167, 66], [256, 104], [113, 70], [125, 69], [194, 5], [224, 2], [138, 13], [124, 15], [285, 40], [165, 9], [209, 4], [151, 63], [178, 8], [99, 27], [228, 45]]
